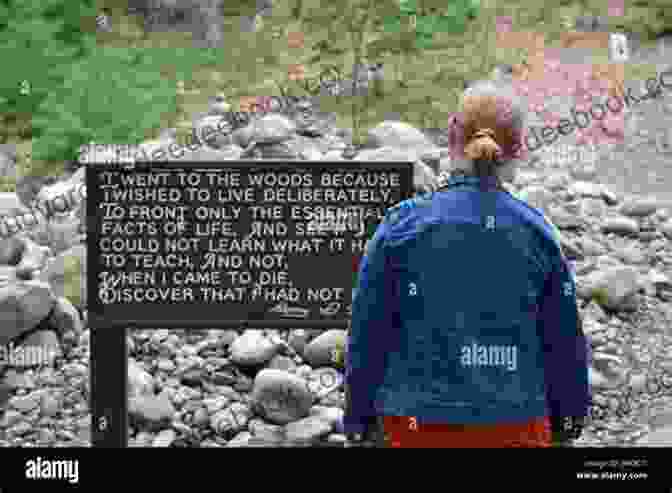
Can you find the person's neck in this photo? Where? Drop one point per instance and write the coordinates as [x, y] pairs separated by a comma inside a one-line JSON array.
[[505, 173]]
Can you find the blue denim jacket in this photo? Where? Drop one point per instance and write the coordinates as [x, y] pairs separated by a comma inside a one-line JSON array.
[[465, 312]]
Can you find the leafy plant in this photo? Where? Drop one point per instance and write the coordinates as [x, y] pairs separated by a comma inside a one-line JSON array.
[[39, 39], [432, 16], [115, 96]]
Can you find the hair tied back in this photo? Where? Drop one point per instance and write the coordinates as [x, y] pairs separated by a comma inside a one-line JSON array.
[[483, 145]]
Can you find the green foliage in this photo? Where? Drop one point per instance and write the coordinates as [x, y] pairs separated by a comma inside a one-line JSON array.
[[117, 95], [601, 296], [431, 16], [39, 39]]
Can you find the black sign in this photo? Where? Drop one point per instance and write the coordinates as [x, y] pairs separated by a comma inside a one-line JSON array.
[[256, 243]]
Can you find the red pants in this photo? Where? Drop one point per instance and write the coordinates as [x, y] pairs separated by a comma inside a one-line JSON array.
[[404, 432]]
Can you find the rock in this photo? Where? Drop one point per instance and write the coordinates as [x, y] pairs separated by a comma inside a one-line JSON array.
[[638, 383], [593, 207], [17, 380], [321, 349], [591, 248], [231, 420], [140, 383], [281, 397], [298, 338], [8, 275], [63, 232], [620, 225], [8, 157], [242, 439], [280, 362], [658, 438], [337, 439], [536, 196], [585, 172], [10, 419], [331, 415], [11, 203], [34, 257], [631, 255], [594, 311], [150, 411], [27, 188], [213, 131], [585, 189], [563, 219], [639, 207], [165, 438], [397, 134], [273, 129], [609, 196], [557, 181], [12, 250], [192, 377], [598, 380], [65, 317], [303, 148], [614, 287], [252, 348], [166, 365], [206, 154], [666, 229], [23, 305], [317, 124], [276, 150], [66, 274], [50, 405], [243, 136], [308, 430], [26, 403], [265, 432], [223, 337]]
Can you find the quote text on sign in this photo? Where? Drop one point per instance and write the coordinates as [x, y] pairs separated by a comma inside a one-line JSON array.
[[251, 242]]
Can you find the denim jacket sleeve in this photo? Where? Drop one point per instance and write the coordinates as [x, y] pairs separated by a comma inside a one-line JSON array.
[[566, 351], [371, 322]]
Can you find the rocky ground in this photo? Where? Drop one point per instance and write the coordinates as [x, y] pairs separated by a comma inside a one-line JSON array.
[[229, 388]]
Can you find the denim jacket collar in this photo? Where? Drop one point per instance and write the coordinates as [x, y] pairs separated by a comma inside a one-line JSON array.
[[454, 179]]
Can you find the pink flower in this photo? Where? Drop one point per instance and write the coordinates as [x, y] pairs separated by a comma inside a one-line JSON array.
[[616, 8], [503, 24]]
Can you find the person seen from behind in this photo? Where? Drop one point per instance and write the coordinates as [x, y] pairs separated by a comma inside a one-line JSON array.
[[465, 327]]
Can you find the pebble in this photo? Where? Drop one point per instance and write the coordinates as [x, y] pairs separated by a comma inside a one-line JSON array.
[[10, 418], [320, 351], [50, 405], [308, 429], [620, 225], [165, 365], [154, 411], [252, 348], [165, 438], [26, 403], [270, 395]]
